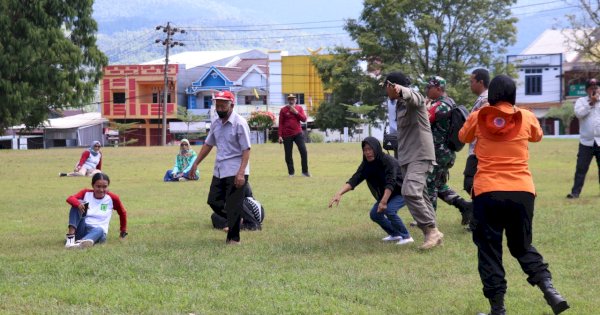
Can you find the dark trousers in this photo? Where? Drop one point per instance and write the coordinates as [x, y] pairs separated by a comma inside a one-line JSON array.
[[494, 213], [470, 170], [226, 200], [288, 143], [584, 158]]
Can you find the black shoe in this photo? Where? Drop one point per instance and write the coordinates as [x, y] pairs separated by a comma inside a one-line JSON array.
[[553, 298], [573, 196], [465, 208], [467, 214], [62, 174], [306, 174], [496, 306]]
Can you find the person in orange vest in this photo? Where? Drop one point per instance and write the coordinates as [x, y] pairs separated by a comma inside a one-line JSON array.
[[504, 194]]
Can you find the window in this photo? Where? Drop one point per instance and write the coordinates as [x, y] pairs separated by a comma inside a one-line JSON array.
[[156, 98], [533, 81], [207, 101], [251, 100], [119, 98]]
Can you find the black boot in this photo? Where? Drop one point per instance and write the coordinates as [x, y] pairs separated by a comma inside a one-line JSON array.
[[465, 208], [497, 306], [554, 299]]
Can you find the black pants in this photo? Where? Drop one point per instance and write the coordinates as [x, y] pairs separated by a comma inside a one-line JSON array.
[[288, 143], [226, 200], [510, 211], [584, 158], [470, 170]]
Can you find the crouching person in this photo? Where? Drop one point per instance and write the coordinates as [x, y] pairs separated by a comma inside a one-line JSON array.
[[385, 183], [90, 214]]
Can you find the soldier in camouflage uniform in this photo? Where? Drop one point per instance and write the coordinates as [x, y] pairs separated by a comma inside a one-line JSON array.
[[439, 119]]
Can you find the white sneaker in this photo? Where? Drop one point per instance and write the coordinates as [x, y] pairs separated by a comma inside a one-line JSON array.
[[70, 243], [390, 238], [182, 179], [86, 243], [405, 241]]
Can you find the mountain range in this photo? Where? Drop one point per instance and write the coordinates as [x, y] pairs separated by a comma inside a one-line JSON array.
[[127, 29]]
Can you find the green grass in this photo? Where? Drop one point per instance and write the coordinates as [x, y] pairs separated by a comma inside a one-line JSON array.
[[308, 259]]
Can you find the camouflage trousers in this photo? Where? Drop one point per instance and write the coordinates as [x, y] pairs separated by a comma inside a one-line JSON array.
[[437, 185]]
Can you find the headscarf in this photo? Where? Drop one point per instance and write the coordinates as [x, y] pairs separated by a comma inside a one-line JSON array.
[[185, 152], [374, 171], [92, 151]]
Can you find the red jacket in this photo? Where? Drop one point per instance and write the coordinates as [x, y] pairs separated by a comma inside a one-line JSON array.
[[289, 123]]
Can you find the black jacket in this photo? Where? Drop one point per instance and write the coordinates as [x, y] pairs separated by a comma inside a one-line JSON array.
[[381, 173]]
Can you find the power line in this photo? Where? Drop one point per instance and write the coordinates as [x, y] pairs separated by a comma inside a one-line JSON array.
[[274, 24], [268, 37], [261, 30], [536, 4]]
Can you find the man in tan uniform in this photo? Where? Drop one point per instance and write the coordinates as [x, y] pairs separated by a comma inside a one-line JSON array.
[[416, 155]]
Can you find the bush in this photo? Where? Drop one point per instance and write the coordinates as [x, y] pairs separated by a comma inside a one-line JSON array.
[[316, 137], [261, 120]]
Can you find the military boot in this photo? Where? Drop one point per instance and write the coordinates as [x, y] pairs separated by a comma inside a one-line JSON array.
[[496, 306], [553, 298], [465, 208], [433, 237]]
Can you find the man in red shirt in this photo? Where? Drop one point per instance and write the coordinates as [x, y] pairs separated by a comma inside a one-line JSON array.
[[290, 131]]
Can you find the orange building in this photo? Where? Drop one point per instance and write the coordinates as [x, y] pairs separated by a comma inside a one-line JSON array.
[[134, 93]]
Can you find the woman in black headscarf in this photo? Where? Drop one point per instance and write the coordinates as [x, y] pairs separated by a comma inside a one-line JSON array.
[[385, 183]]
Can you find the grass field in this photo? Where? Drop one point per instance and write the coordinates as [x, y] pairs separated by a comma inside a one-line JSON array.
[[308, 259]]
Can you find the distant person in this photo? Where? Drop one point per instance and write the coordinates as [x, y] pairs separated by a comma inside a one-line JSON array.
[[587, 110], [504, 194], [231, 135], [183, 164], [90, 162], [290, 132], [416, 154], [439, 118], [91, 210], [383, 177], [393, 128], [479, 82]]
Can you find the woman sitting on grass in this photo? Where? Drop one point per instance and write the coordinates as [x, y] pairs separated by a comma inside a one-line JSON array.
[[383, 177], [183, 163], [90, 162], [90, 214]]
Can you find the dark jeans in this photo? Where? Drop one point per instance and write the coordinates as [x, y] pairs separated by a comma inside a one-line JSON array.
[[510, 211], [226, 200], [470, 170], [584, 158], [288, 143]]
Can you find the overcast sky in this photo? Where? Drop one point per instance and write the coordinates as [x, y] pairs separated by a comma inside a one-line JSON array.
[[535, 16]]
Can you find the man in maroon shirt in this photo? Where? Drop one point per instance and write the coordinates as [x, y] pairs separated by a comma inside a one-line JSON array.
[[290, 131]]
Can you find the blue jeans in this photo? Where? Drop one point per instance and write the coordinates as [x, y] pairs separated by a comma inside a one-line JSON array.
[[389, 219], [84, 231], [168, 176]]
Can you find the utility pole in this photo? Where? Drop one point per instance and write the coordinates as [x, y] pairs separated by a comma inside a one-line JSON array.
[[168, 43]]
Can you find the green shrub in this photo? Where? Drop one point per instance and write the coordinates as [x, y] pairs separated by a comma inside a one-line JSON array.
[[316, 137]]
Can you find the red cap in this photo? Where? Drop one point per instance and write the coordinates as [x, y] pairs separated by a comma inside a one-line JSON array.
[[224, 95]]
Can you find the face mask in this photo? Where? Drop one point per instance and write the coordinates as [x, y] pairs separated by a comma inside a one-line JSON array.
[[222, 114]]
